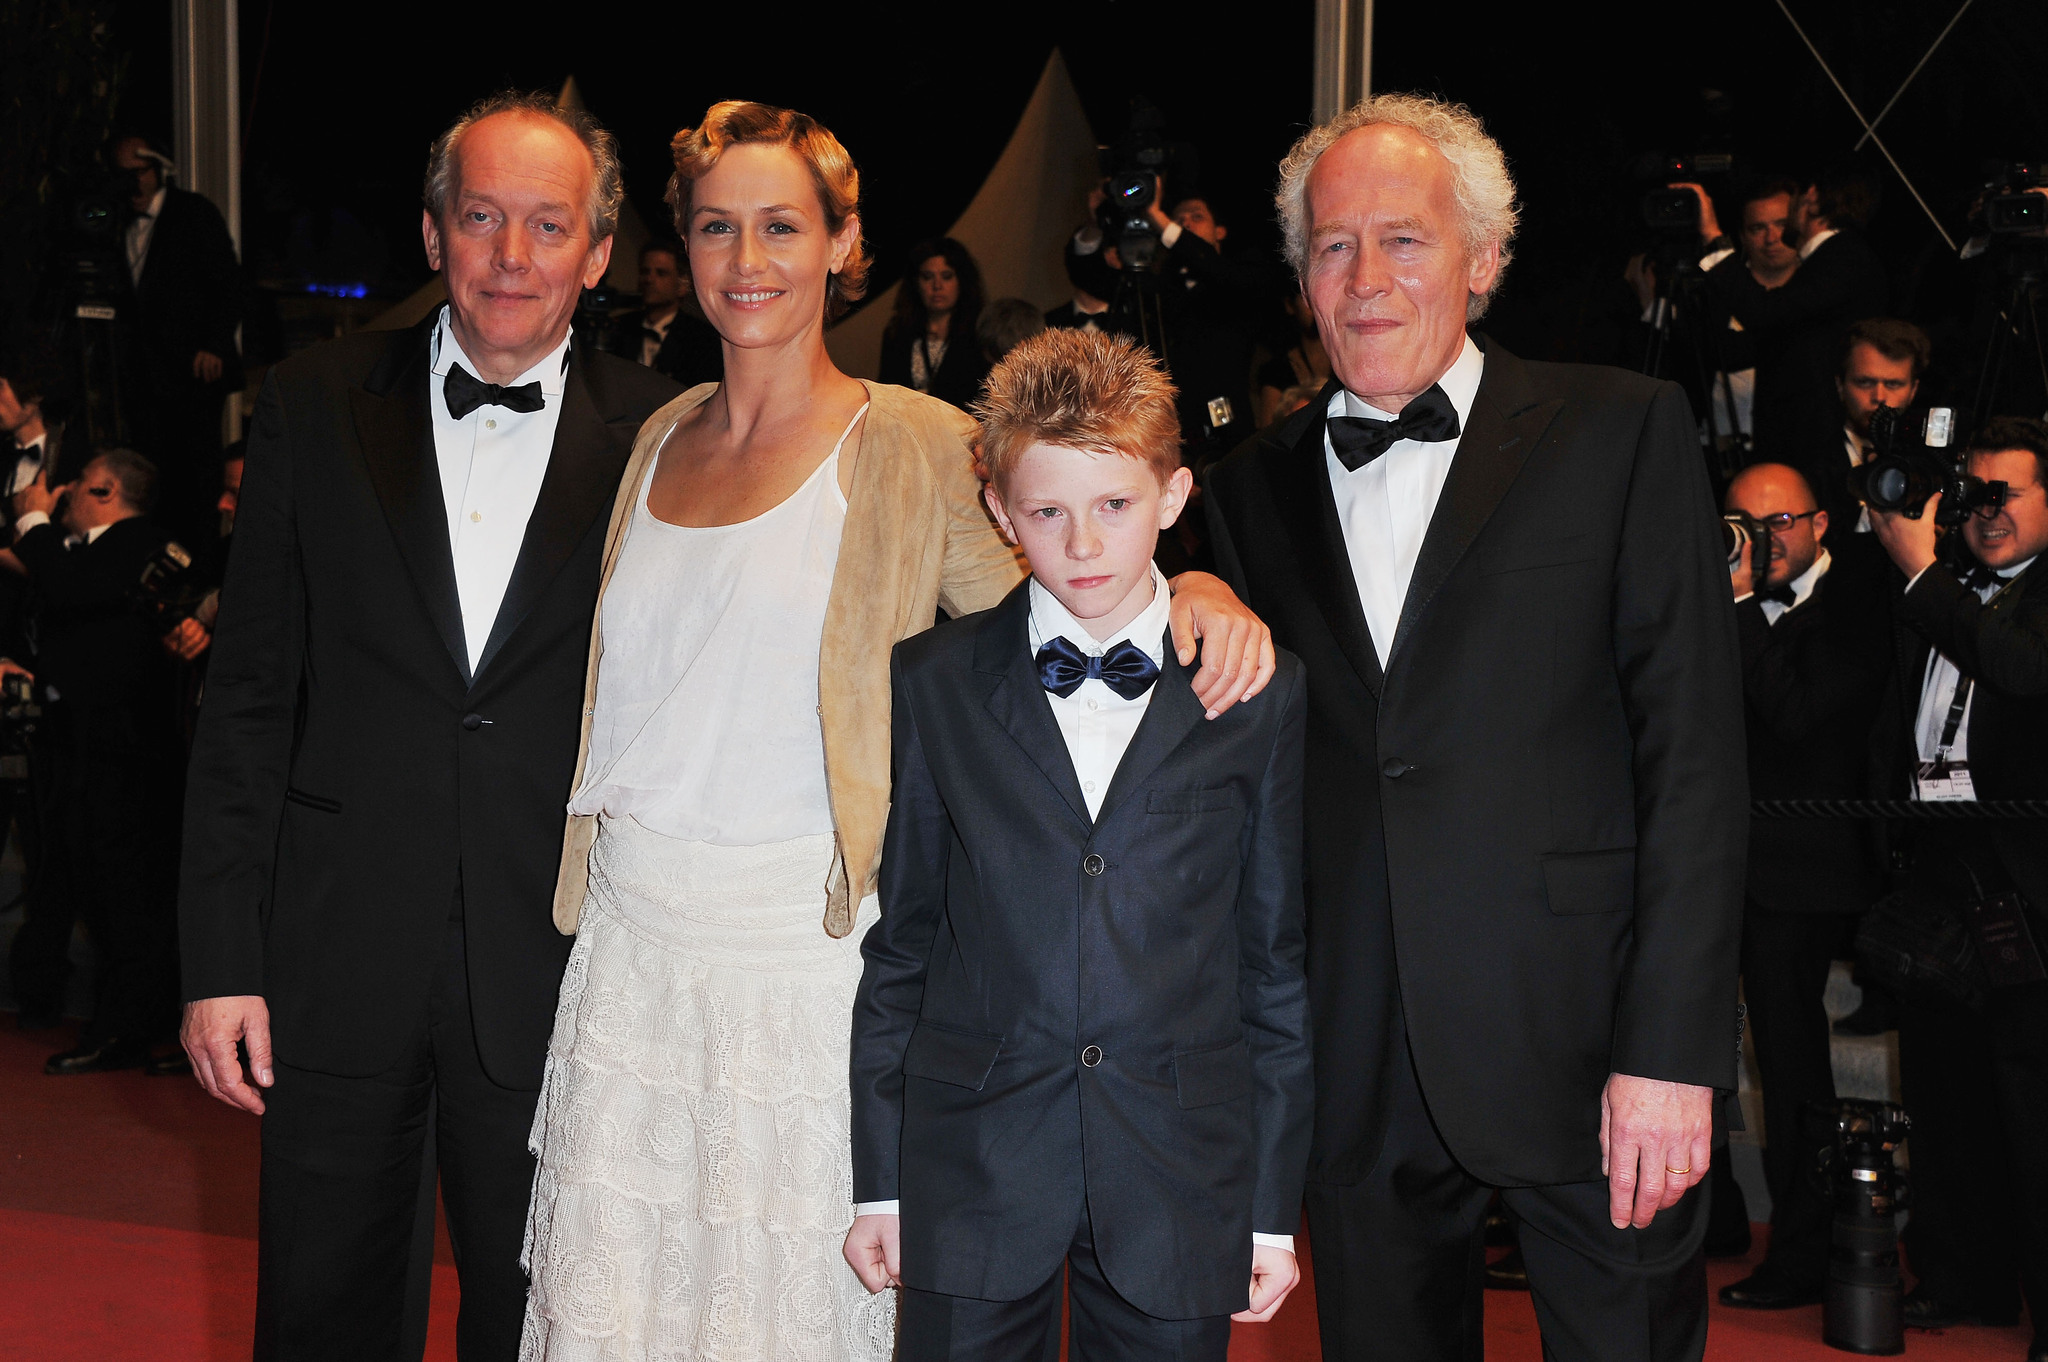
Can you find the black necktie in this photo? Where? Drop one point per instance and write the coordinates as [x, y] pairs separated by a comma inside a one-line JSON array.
[[1126, 669], [1358, 440], [466, 392]]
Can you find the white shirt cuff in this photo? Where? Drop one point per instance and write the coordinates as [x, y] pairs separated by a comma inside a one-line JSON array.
[[1278, 1241], [28, 520], [1708, 262], [1909, 586], [861, 1208], [1745, 596], [1170, 235]]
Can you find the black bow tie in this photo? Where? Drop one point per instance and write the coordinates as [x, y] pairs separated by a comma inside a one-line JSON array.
[[1976, 577], [1783, 595], [466, 392], [1358, 440], [1126, 669]]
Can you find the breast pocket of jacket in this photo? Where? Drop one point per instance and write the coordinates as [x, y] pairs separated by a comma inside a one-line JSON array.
[[1194, 833], [947, 1054], [1581, 883], [1554, 551]]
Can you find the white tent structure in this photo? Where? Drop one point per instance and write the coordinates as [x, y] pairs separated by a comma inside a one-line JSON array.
[[1017, 225]]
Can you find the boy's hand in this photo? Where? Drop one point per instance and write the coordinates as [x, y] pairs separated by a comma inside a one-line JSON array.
[[1237, 647], [874, 1249], [1274, 1273]]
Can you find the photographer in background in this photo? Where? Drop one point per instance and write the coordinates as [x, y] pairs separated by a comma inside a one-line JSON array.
[[665, 333], [1798, 327], [1967, 718], [1816, 646], [1205, 302], [1883, 361], [34, 443], [182, 323], [110, 717]]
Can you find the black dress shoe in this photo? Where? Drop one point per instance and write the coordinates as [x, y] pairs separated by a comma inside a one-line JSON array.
[[1769, 1289], [169, 1065], [99, 1058], [1508, 1272]]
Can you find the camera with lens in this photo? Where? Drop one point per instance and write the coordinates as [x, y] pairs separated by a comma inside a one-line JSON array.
[[1672, 212], [1902, 475], [1134, 167], [1864, 1307], [2009, 210], [169, 590], [1738, 531]]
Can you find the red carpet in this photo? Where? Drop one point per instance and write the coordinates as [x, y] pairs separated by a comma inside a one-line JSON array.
[[128, 1223]]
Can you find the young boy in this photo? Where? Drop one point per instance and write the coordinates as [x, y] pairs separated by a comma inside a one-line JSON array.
[[1081, 1039]]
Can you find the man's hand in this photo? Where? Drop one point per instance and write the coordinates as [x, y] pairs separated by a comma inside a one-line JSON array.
[[1742, 576], [1237, 647], [211, 1028], [1274, 1274], [188, 640], [1710, 225], [38, 496], [1640, 275], [206, 366], [874, 1250], [1655, 1141], [1911, 543]]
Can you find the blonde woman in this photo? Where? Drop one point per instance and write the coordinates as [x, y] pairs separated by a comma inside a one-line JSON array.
[[773, 538]]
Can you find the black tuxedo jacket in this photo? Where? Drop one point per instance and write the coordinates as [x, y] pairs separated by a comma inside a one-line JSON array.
[[190, 295], [1812, 684], [690, 353], [2003, 645], [92, 645], [349, 775], [1016, 935], [1798, 330], [1525, 836]]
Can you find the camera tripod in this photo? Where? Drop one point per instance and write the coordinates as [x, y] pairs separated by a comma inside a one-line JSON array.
[[2015, 344], [1681, 287]]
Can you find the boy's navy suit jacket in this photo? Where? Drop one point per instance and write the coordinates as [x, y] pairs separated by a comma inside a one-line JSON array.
[[1019, 941]]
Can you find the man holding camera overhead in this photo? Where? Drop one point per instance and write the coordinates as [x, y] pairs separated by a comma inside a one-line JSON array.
[[1969, 721]]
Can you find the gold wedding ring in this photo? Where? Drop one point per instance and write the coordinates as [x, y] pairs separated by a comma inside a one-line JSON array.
[[1680, 1172]]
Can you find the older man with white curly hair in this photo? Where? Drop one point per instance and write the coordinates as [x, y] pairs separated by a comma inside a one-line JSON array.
[[1526, 799]]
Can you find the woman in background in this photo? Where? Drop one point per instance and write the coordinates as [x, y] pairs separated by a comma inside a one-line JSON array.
[[930, 344]]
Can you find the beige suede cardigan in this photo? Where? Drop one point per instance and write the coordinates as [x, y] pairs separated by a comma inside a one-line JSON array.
[[917, 537]]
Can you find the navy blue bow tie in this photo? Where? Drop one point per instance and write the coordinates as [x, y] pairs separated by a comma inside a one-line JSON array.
[[1126, 669]]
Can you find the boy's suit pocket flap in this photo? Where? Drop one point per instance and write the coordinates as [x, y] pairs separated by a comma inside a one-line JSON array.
[[949, 1056], [1191, 801], [1206, 1077]]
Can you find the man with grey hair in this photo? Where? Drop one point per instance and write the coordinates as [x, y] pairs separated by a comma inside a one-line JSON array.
[[389, 729], [1526, 803]]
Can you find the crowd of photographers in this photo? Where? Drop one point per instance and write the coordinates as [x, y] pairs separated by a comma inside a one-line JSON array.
[[1894, 635]]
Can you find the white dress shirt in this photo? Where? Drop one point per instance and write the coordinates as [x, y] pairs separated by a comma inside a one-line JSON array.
[[1802, 587], [1938, 687], [140, 230], [650, 345], [1098, 725], [1385, 507], [1815, 242], [492, 463], [28, 461]]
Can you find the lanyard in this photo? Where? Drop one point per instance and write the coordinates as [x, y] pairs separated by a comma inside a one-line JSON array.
[[1956, 705]]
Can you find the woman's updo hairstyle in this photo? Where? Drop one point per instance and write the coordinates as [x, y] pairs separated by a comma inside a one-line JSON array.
[[738, 122]]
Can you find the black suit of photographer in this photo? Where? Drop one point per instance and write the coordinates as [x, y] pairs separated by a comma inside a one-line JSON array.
[[690, 350], [1812, 683], [187, 300], [1976, 1085], [1798, 330], [110, 723], [1207, 305]]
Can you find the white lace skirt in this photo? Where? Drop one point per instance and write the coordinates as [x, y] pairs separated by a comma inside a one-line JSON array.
[[695, 1177]]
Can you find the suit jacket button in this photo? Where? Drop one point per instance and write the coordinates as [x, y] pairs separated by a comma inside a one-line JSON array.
[[1393, 768], [472, 722], [1093, 865], [1091, 1056]]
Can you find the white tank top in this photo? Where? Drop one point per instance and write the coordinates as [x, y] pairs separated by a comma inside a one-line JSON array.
[[706, 726]]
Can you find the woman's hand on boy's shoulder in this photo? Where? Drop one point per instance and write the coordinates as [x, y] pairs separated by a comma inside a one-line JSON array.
[[1274, 1274], [1236, 645]]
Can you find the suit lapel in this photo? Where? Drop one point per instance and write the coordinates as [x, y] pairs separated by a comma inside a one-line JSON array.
[[1507, 423], [395, 429], [1300, 479], [1169, 718], [581, 482], [1018, 703]]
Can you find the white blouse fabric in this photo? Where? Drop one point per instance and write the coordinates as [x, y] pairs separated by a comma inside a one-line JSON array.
[[706, 726]]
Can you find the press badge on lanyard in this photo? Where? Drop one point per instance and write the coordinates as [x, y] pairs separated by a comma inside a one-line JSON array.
[[1942, 778]]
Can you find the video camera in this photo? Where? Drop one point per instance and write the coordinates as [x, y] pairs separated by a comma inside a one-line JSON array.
[[2009, 209], [1901, 476], [1676, 212], [1135, 167]]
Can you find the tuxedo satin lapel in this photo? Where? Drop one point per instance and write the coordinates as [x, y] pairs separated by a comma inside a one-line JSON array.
[[395, 430], [582, 480], [1018, 703], [1300, 479], [1507, 423], [1172, 715]]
